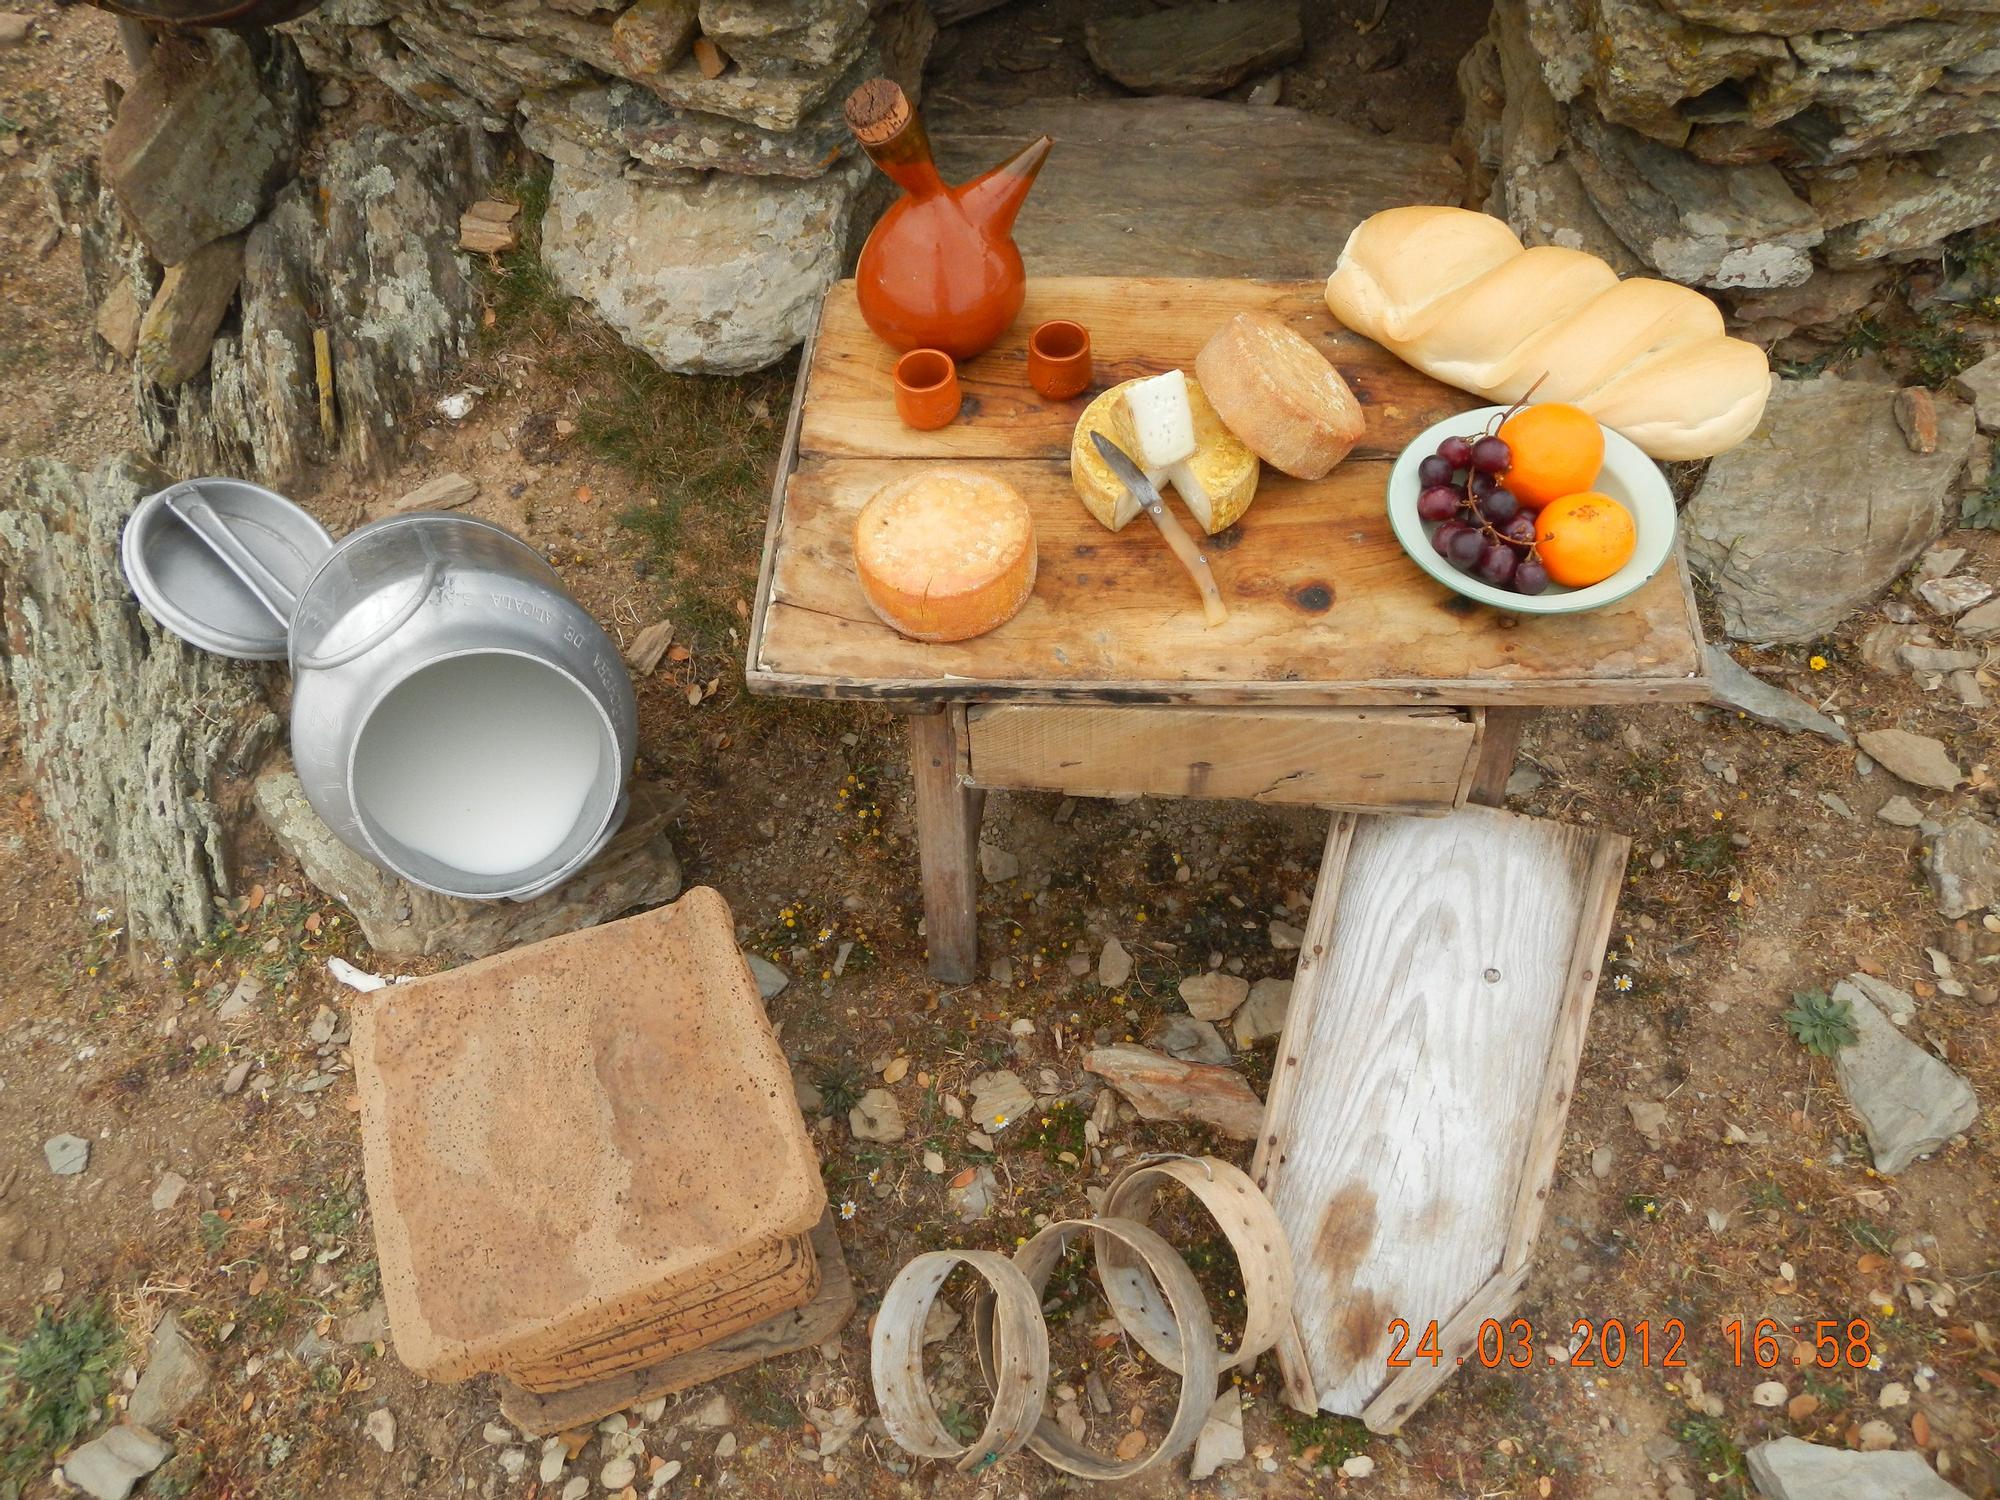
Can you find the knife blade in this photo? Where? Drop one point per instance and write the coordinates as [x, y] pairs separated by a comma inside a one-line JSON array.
[[1184, 547]]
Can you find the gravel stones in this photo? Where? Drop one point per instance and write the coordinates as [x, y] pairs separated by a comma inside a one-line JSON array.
[[1735, 687], [999, 1098], [1263, 1014], [1164, 1088], [1909, 1102], [771, 980], [1114, 964], [1790, 1468], [1821, 508], [110, 1464], [1190, 1040], [176, 1375], [1213, 996], [166, 1193], [876, 1117], [67, 1155], [1963, 865], [1916, 758]]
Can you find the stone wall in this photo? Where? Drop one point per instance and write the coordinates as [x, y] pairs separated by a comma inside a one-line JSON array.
[[1788, 153], [274, 319], [705, 190]]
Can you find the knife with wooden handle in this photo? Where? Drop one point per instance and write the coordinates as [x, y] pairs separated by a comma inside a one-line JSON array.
[[1184, 546]]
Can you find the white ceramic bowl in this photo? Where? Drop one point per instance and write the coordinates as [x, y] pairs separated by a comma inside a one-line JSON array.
[[1628, 477]]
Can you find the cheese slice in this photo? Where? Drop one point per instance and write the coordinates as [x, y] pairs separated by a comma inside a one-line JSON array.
[[1279, 395], [946, 554], [1217, 483], [1162, 420]]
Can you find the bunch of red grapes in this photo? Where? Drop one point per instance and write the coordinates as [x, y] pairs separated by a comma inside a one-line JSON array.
[[1483, 526]]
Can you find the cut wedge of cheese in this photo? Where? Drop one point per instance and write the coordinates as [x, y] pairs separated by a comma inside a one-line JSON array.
[[946, 554], [1162, 420], [1280, 395], [1216, 484]]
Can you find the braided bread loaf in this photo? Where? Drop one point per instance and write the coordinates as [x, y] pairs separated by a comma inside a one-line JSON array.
[[1455, 294]]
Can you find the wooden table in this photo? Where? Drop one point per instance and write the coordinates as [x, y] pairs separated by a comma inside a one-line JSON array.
[[1344, 677]]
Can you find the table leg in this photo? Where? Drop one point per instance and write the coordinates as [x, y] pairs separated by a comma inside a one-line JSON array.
[[948, 814], [1496, 754]]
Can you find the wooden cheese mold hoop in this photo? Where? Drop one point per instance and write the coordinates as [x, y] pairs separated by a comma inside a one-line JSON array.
[[896, 1357], [1247, 1221], [1188, 1327]]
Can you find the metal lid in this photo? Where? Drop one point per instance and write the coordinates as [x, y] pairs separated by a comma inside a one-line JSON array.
[[189, 587]]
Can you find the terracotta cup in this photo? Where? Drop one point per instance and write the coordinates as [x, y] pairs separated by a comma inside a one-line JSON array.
[[1059, 359], [927, 393]]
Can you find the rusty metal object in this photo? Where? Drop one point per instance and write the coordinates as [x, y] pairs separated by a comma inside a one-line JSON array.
[[236, 14]]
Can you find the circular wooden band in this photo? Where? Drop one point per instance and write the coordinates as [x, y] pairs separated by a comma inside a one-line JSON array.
[[896, 1355], [1247, 1221], [1193, 1330]]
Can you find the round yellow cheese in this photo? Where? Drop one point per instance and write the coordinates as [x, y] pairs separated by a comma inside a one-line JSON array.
[[946, 554], [1227, 470]]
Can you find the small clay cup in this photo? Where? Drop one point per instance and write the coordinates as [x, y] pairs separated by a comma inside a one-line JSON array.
[[1059, 359], [927, 393]]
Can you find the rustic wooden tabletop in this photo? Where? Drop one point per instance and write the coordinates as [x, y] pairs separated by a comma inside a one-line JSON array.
[[1325, 608]]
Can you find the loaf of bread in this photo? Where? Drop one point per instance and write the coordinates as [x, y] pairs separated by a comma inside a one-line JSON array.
[[1279, 395], [946, 554], [1455, 294]]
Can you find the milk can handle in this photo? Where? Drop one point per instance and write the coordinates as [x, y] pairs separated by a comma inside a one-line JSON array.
[[382, 632]]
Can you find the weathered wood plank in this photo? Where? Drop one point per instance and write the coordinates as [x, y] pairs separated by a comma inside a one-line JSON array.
[[1325, 608], [1189, 187], [948, 813], [1409, 760], [1137, 327], [1437, 1018]]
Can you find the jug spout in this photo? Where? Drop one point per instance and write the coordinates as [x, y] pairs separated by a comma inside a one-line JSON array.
[[991, 201]]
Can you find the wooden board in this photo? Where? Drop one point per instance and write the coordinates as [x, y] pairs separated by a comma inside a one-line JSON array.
[[1401, 759], [1326, 607], [1425, 1071], [1188, 187], [819, 1320]]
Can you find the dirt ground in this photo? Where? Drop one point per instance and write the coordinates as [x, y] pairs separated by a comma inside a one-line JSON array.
[[1754, 1199]]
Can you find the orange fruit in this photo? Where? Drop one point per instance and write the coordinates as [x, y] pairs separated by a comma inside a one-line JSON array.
[[1558, 450], [1584, 539]]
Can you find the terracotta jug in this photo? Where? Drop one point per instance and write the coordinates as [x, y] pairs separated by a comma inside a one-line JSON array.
[[940, 270]]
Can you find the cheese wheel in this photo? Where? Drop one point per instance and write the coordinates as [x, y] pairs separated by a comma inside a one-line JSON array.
[[1279, 395], [945, 554], [1227, 470]]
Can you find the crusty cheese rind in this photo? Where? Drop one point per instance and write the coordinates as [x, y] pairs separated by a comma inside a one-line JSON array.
[[1279, 395], [945, 554], [1227, 469], [1454, 293]]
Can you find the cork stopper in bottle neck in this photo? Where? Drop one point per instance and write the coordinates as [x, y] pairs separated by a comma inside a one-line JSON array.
[[877, 112]]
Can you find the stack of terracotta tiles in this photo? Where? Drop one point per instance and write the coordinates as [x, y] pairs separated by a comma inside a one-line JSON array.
[[588, 1171]]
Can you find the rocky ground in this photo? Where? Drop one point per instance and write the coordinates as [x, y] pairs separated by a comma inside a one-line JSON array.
[[180, 1134]]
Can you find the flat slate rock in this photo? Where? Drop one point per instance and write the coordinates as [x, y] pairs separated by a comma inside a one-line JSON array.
[[1189, 187], [1821, 508], [1963, 866], [1909, 1102], [1196, 49], [1736, 687], [1916, 758], [1793, 1469]]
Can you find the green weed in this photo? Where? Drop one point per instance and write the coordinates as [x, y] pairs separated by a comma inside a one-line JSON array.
[[52, 1389], [1333, 1440], [1721, 1459], [1820, 1023]]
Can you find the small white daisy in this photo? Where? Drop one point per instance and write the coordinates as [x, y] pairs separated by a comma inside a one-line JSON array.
[[848, 1208]]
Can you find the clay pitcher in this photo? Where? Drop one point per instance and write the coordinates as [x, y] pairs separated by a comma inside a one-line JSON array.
[[940, 270]]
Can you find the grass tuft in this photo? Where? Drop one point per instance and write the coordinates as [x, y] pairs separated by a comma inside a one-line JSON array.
[[52, 1389]]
